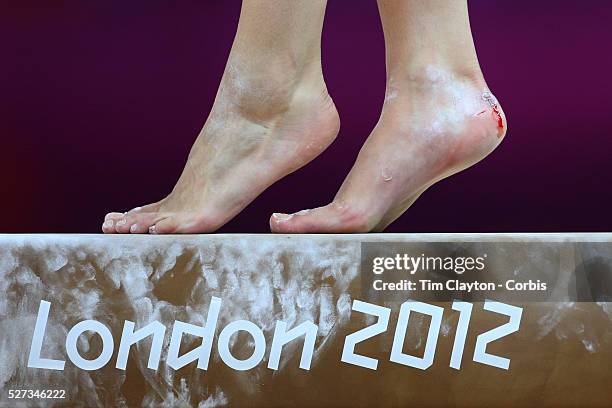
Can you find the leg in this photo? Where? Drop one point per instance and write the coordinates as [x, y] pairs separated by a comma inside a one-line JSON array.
[[272, 114], [438, 118]]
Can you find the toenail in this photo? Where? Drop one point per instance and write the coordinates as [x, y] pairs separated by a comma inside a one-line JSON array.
[[152, 230], [282, 217], [134, 228], [107, 224], [121, 222]]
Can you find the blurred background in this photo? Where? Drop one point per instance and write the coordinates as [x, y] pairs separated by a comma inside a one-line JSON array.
[[100, 102]]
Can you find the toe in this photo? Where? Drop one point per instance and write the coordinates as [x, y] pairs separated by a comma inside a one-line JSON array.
[[139, 227], [320, 219], [121, 225], [138, 222], [166, 226], [333, 218], [185, 223], [108, 227]]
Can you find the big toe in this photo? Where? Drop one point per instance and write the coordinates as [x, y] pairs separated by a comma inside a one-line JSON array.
[[108, 226], [332, 218]]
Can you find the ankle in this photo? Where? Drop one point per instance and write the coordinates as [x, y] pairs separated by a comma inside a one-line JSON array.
[[263, 91], [428, 75]]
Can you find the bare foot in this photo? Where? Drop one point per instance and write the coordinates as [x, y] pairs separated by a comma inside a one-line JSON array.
[[264, 124], [434, 123]]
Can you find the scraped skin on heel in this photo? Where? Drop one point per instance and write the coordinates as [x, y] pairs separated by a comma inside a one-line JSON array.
[[272, 115]]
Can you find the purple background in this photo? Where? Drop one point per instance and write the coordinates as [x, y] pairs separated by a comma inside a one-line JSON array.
[[100, 102]]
